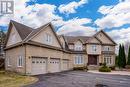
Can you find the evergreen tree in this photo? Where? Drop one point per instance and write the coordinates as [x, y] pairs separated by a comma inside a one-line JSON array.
[[116, 61], [123, 57], [120, 58], [128, 62]]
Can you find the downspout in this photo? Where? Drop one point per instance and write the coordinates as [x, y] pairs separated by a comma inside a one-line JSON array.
[[25, 58]]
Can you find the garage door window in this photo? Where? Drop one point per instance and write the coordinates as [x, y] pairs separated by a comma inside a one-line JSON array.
[[20, 61]]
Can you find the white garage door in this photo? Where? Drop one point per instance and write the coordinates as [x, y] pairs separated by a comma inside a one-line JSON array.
[[39, 66], [54, 65], [65, 64]]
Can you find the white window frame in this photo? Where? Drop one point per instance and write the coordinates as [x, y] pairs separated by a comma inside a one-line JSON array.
[[78, 47], [78, 59], [106, 48], [48, 38], [108, 60], [94, 48], [20, 61], [8, 61]]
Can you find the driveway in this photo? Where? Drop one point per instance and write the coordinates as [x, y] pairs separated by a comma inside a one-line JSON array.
[[81, 79]]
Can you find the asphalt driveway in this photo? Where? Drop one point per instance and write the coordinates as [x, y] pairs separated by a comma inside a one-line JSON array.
[[81, 79]]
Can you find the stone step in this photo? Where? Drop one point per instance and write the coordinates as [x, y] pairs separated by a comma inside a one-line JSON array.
[[93, 67]]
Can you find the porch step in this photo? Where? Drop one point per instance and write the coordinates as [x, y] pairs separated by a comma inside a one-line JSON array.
[[93, 67]]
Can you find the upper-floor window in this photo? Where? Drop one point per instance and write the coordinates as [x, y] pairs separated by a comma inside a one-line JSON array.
[[78, 46], [106, 48], [8, 61], [78, 59], [48, 38], [20, 61], [94, 48]]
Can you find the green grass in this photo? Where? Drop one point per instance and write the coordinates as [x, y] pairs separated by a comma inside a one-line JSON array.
[[9, 79]]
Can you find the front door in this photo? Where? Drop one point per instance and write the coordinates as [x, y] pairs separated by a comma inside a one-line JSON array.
[[92, 59]]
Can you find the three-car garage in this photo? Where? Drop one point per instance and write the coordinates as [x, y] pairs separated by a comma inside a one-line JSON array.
[[42, 65]]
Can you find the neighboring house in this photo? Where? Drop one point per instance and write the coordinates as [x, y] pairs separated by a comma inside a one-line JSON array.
[[38, 51]]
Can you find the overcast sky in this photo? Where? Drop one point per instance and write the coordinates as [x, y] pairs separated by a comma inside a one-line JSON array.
[[74, 17]]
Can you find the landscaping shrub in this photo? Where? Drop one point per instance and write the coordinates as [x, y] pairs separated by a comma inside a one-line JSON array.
[[81, 68], [1, 64], [127, 67], [104, 68], [112, 67]]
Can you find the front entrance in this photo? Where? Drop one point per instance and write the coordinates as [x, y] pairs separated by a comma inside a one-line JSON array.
[[92, 59]]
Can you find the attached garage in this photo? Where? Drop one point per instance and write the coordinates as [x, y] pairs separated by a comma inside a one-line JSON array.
[[39, 65], [65, 64], [54, 65]]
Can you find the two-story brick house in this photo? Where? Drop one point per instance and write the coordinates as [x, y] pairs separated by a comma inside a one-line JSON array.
[[38, 51]]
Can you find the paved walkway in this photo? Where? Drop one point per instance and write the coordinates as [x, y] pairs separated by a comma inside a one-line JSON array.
[[112, 72]]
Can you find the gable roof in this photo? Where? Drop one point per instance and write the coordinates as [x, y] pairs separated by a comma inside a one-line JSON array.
[[105, 35], [23, 30], [26, 33], [35, 31], [72, 39]]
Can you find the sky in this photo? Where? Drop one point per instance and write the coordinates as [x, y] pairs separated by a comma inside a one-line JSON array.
[[74, 17]]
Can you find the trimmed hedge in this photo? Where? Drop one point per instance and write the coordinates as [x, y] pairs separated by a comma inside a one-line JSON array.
[[104, 68], [112, 67], [80, 68]]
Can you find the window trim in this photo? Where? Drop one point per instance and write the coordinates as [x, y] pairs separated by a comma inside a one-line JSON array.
[[8, 61], [78, 59], [78, 47], [20, 61], [48, 38], [108, 60], [94, 48]]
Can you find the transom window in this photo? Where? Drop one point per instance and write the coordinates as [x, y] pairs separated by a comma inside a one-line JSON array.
[[79, 59], [108, 60], [48, 38], [20, 61]]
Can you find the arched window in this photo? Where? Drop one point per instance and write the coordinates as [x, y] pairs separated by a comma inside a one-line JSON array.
[[78, 46]]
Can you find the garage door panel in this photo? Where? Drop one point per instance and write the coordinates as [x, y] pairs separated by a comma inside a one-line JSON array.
[[65, 64], [39, 66], [54, 65]]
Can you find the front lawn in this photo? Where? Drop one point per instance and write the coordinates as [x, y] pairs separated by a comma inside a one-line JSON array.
[[8, 79]]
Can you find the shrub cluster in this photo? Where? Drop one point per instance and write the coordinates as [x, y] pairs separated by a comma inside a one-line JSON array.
[[104, 68], [112, 67], [81, 68]]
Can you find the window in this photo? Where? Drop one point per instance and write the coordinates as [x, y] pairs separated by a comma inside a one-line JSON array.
[[106, 48], [8, 61], [78, 46], [20, 61], [78, 59], [108, 60], [94, 47], [48, 38]]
